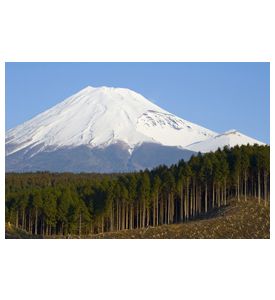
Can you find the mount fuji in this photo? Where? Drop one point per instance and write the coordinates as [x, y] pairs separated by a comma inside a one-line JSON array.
[[108, 130]]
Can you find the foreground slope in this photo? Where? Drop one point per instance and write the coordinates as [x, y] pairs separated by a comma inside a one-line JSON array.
[[239, 220]]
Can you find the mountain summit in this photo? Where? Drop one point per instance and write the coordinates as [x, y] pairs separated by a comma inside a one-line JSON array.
[[103, 129], [98, 117]]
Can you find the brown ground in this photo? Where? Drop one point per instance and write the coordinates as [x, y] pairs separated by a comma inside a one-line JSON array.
[[239, 220]]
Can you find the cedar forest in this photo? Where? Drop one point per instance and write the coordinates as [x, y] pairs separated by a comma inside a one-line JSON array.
[[64, 204]]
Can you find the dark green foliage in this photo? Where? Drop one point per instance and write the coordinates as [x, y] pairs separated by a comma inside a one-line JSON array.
[[62, 204]]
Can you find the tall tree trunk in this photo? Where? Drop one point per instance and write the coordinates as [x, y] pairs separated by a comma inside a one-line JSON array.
[[193, 191], [200, 199], [213, 195], [259, 187], [225, 200], [245, 183], [127, 216], [251, 187], [187, 201], [131, 217], [205, 199], [117, 217], [17, 217], [168, 208], [42, 226], [219, 194], [191, 200], [181, 203], [265, 188], [36, 217], [29, 222], [122, 216], [194, 198], [137, 216], [197, 199], [173, 207], [143, 215], [186, 208], [157, 212], [112, 219], [61, 232], [23, 219], [160, 211], [238, 188], [154, 211], [79, 229], [164, 210], [255, 189]]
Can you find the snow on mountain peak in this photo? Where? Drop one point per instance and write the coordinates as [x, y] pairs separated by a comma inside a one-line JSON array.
[[230, 131], [229, 138], [100, 116]]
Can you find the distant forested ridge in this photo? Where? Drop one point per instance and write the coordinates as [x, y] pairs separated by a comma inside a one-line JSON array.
[[62, 204]]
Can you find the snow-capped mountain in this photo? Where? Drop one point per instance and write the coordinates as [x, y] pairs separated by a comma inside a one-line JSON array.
[[98, 117], [229, 138], [106, 130]]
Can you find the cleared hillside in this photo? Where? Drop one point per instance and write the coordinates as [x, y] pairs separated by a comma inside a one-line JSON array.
[[239, 220]]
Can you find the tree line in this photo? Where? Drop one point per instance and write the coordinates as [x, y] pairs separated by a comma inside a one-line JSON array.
[[63, 204]]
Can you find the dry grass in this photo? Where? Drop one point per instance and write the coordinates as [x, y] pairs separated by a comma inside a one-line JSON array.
[[239, 220], [15, 233]]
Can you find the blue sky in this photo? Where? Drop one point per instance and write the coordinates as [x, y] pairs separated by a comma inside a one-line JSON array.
[[218, 96]]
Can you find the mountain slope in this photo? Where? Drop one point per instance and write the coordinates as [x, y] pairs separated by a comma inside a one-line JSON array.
[[101, 130], [108, 130], [98, 117], [229, 138]]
